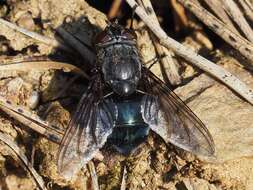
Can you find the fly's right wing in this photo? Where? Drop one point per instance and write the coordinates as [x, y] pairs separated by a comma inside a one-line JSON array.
[[172, 119], [87, 131]]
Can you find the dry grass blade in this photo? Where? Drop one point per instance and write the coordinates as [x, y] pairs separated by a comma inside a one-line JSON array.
[[168, 61], [50, 132], [249, 3], [94, 176], [14, 59], [31, 120], [147, 6], [124, 177], [204, 64], [46, 131], [241, 44], [180, 18], [42, 65], [83, 50], [217, 7], [24, 160], [247, 9], [231, 7], [169, 64], [34, 35], [114, 10]]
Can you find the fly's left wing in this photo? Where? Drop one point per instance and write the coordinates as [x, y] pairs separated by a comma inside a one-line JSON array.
[[87, 131], [172, 119]]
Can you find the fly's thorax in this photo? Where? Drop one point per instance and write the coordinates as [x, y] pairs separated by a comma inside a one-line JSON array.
[[121, 67]]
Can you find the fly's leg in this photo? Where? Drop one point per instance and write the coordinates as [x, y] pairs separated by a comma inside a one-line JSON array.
[[155, 60], [169, 65]]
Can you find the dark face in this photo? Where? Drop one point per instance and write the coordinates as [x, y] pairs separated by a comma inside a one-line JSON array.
[[115, 33], [118, 56]]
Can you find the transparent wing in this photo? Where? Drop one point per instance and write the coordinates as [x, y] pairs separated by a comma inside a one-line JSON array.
[[172, 119], [87, 131]]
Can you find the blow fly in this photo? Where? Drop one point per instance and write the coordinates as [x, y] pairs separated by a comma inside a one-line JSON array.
[[124, 101]]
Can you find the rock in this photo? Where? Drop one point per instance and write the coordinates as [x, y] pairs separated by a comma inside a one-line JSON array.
[[228, 117], [52, 14], [13, 183], [197, 184], [26, 21], [230, 121], [234, 174]]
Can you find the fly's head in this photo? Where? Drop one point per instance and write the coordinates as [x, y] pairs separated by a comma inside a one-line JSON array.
[[115, 34]]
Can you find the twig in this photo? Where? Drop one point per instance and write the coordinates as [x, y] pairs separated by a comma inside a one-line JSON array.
[[241, 44], [42, 65], [32, 156], [180, 16], [250, 4], [234, 11], [83, 50], [34, 35], [123, 182], [114, 10], [168, 61], [248, 11], [195, 87], [217, 7], [20, 154], [52, 133], [15, 59], [204, 64], [94, 177], [31, 120]]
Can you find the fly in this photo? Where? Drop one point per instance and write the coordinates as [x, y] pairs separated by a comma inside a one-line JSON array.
[[124, 101]]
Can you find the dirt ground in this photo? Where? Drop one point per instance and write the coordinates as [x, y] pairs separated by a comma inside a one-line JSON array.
[[156, 165]]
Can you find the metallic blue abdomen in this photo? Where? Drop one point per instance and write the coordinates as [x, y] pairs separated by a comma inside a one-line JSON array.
[[130, 130]]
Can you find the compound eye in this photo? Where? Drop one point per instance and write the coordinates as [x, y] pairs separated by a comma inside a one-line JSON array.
[[102, 37], [129, 34]]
